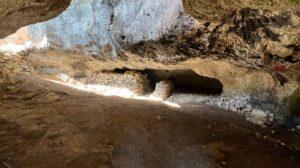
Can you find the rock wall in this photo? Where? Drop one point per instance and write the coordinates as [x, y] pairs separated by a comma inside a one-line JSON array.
[[94, 26], [17, 13], [215, 10]]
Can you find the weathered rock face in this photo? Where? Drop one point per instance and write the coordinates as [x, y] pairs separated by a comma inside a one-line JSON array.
[[251, 47], [94, 26], [17, 13], [250, 38], [215, 10]]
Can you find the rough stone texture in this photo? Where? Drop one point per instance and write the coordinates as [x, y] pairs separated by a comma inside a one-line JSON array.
[[163, 89], [249, 38], [96, 27], [11, 68], [17, 13], [214, 10], [258, 109]]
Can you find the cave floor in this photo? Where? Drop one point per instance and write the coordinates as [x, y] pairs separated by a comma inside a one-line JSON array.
[[84, 130]]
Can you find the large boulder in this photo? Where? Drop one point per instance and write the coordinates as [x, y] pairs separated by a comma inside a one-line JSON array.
[[163, 89]]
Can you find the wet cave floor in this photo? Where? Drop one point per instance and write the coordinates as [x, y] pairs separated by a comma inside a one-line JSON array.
[[48, 125]]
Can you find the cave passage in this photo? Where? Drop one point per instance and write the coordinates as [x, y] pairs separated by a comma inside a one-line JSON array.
[[186, 81]]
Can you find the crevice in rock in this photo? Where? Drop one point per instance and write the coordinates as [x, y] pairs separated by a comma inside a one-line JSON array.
[[186, 81]]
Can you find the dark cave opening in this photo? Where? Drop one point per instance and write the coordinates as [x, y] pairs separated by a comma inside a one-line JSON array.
[[186, 81]]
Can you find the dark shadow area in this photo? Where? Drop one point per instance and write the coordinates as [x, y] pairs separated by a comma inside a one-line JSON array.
[[120, 71], [186, 81]]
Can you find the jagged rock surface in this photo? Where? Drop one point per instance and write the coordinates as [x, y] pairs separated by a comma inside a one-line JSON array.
[[215, 10]]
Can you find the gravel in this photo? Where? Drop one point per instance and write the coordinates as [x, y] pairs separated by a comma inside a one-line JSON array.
[[258, 113]]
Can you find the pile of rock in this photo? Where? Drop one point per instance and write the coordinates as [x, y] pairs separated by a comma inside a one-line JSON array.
[[163, 89], [132, 80], [258, 110]]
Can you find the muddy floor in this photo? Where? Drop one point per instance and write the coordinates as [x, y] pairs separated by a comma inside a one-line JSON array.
[[48, 125]]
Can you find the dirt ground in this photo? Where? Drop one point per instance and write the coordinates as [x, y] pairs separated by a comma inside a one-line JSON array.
[[48, 125]]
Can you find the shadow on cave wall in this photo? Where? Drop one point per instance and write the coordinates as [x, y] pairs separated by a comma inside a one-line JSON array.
[[185, 81]]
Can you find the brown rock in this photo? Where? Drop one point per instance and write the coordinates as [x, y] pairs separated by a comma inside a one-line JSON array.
[[163, 89], [52, 97], [17, 13]]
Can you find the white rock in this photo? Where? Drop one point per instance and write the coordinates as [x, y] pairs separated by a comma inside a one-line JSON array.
[[95, 24], [258, 117]]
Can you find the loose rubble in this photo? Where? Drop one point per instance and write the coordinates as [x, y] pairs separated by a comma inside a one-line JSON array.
[[258, 113]]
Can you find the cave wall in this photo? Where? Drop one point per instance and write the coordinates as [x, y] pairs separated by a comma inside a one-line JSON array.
[[92, 26], [17, 13], [216, 10]]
